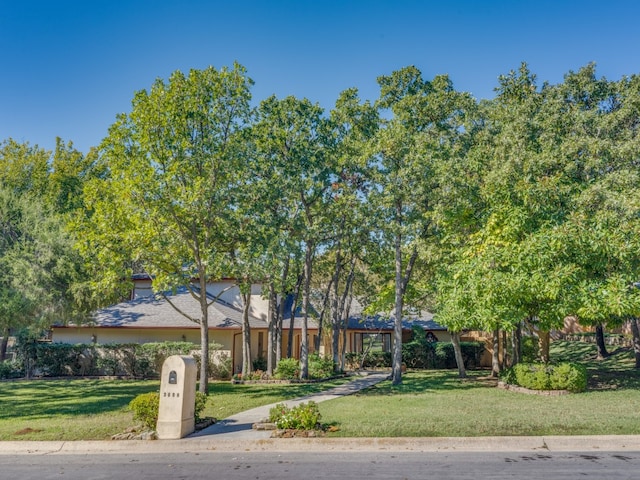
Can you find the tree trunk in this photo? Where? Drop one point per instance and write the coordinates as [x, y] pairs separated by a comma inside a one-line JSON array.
[[396, 366], [543, 342], [345, 309], [246, 334], [306, 301], [335, 311], [516, 345], [601, 347], [3, 344], [294, 306], [635, 330], [280, 321], [457, 350], [272, 321], [495, 356], [505, 353], [203, 386]]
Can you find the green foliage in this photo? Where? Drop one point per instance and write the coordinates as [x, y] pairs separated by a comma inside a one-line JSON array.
[[540, 376], [259, 363], [569, 376], [368, 360], [530, 349], [131, 359], [304, 416], [9, 369], [145, 408], [287, 369], [200, 405], [320, 367], [420, 353]]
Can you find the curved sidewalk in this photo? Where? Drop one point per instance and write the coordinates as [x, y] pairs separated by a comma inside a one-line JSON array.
[[239, 426]]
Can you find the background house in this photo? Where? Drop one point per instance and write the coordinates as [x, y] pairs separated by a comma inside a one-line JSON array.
[[147, 318]]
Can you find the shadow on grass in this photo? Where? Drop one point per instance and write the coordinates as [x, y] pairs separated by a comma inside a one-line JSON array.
[[46, 398], [274, 391], [421, 381], [610, 373]]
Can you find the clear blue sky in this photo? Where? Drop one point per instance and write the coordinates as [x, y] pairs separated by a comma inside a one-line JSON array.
[[68, 67]]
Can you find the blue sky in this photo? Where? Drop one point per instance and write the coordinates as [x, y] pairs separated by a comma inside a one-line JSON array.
[[70, 66]]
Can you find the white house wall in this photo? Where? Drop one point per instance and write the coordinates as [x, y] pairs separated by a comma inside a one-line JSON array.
[[259, 306]]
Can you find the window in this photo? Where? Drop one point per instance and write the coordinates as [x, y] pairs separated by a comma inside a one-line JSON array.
[[373, 342]]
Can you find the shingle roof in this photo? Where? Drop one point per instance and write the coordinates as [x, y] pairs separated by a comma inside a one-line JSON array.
[[386, 323], [152, 312]]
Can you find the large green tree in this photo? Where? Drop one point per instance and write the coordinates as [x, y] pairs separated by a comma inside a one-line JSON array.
[[41, 275], [420, 126], [291, 146], [168, 203]]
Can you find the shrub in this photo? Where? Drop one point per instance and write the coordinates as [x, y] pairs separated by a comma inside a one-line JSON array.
[[369, 360], [9, 369], [220, 366], [538, 376], [320, 367], [304, 416], [201, 403], [259, 363], [145, 408], [288, 369], [569, 376], [419, 353]]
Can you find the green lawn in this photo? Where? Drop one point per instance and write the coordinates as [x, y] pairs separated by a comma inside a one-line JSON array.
[[437, 403], [97, 409], [431, 403]]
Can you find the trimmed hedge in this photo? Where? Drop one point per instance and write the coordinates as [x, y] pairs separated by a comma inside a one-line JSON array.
[[421, 355], [540, 376], [131, 360]]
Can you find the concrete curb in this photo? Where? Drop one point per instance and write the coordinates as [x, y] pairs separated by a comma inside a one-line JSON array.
[[606, 443]]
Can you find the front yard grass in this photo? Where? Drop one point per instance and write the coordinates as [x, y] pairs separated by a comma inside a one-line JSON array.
[[96, 409], [438, 404], [428, 403]]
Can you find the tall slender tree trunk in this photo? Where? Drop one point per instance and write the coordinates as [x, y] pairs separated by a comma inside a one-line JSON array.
[[495, 356], [635, 331], [396, 366], [306, 302], [294, 306], [344, 308], [280, 321], [4, 344], [457, 351], [505, 353], [544, 340], [246, 334], [516, 345], [601, 346], [272, 322], [335, 311], [203, 386]]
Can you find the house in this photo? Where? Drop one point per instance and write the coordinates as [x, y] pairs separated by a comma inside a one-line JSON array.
[[377, 332], [146, 318]]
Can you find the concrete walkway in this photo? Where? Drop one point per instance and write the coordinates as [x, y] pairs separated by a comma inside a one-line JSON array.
[[239, 426]]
